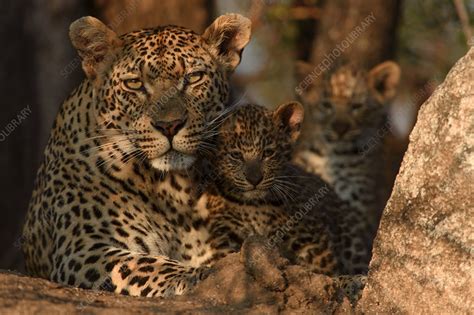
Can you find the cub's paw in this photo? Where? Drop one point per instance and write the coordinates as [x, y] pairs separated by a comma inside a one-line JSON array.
[[351, 286]]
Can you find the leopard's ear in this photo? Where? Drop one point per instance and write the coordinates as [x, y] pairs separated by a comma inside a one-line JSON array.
[[290, 116], [383, 80], [227, 36], [95, 43]]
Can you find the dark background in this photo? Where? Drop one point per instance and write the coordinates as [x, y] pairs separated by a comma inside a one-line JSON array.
[[39, 67]]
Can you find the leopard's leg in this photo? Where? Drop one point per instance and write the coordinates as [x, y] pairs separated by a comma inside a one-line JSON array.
[[108, 268]]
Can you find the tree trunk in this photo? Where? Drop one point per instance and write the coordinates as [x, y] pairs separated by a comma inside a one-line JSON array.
[[37, 74], [128, 15], [372, 24], [423, 253], [18, 158]]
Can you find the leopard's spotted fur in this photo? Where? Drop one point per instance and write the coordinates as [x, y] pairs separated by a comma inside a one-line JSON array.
[[112, 207]]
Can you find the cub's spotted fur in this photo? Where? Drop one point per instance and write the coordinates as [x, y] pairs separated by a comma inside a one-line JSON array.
[[341, 140], [254, 190]]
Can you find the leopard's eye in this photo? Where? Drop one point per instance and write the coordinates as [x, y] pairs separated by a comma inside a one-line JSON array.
[[236, 155], [194, 77], [133, 84]]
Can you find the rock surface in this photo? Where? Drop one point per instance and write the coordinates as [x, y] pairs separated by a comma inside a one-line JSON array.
[[423, 253], [256, 281]]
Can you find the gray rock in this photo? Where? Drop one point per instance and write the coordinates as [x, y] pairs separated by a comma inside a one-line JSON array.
[[423, 253]]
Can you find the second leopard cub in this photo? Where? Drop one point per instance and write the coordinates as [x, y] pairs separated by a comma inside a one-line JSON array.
[[255, 190]]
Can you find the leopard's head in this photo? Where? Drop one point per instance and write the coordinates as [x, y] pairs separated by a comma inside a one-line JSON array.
[[346, 103], [253, 147], [157, 90]]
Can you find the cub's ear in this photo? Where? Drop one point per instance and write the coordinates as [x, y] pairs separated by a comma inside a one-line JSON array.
[[290, 117], [95, 43], [383, 80], [227, 36]]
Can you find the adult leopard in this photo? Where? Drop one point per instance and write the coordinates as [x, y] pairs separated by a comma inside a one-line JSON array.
[[109, 206]]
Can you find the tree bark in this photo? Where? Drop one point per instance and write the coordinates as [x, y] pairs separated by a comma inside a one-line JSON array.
[[423, 253], [128, 15], [341, 17]]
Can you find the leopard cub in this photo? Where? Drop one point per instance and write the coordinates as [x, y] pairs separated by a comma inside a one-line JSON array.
[[343, 139], [253, 189]]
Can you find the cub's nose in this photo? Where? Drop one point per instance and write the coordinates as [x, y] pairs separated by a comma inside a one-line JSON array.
[[340, 127], [169, 128], [253, 172]]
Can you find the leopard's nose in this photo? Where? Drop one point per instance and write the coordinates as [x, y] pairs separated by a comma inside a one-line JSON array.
[[253, 172], [169, 128]]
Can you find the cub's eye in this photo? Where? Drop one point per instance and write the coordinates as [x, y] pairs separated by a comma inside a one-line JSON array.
[[356, 106], [326, 106], [194, 77], [133, 84], [268, 153], [236, 155]]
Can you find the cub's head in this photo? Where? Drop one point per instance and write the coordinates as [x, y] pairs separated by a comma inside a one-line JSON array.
[[253, 146], [156, 90], [346, 103]]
